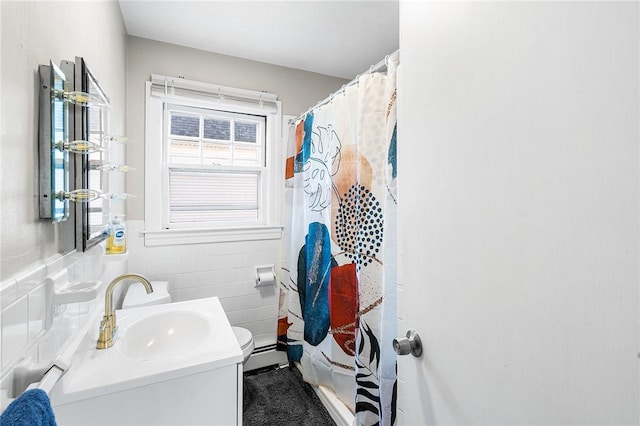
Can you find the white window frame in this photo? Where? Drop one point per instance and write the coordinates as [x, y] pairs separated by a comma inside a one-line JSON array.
[[178, 91]]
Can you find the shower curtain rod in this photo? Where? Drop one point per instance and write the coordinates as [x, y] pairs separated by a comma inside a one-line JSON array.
[[377, 67]]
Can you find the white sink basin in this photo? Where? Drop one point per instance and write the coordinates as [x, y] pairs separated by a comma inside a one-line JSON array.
[[166, 335]]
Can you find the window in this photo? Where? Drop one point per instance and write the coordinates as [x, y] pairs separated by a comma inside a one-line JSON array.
[[213, 163]]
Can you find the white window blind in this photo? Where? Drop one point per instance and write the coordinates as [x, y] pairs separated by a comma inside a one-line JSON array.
[[211, 196]]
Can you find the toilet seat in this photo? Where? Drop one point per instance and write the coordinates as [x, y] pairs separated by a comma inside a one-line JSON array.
[[245, 340], [243, 336]]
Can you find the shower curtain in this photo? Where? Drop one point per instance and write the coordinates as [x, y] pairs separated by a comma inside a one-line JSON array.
[[338, 277]]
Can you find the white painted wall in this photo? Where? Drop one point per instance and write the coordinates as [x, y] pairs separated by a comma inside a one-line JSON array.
[[33, 32], [519, 164]]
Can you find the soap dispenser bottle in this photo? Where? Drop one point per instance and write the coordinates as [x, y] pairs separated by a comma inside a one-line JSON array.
[[117, 239]]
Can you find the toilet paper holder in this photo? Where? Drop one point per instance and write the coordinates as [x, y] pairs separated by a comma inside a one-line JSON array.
[[265, 276]]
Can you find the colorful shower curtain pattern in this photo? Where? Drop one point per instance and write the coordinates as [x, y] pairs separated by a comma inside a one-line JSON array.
[[338, 278]]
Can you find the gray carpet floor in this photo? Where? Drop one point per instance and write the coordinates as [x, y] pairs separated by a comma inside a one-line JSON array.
[[279, 397]]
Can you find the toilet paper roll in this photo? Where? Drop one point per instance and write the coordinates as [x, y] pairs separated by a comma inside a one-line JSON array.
[[265, 276]]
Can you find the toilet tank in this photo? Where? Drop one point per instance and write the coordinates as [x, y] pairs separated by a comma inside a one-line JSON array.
[[137, 296]]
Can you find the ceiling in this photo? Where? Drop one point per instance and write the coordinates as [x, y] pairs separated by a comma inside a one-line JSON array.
[[337, 38]]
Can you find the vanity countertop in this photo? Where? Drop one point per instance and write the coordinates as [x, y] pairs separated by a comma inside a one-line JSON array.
[[96, 372]]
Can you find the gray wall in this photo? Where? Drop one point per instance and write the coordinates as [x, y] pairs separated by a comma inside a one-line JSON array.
[[32, 33], [298, 90]]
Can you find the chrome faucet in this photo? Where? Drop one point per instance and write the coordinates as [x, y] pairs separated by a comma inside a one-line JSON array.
[[108, 325]]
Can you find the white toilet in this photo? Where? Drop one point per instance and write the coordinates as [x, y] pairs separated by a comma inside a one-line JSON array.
[[136, 296], [245, 340]]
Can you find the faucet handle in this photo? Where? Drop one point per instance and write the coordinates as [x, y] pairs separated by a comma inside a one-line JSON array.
[[112, 320], [105, 339]]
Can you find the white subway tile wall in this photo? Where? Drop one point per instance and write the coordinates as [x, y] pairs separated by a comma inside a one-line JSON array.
[[14, 330], [8, 292], [30, 279], [225, 270], [36, 302], [25, 330], [33, 329]]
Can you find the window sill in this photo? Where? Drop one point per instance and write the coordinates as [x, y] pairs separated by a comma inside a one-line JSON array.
[[169, 237]]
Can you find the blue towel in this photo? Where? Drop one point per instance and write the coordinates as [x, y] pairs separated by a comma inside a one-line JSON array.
[[32, 408]]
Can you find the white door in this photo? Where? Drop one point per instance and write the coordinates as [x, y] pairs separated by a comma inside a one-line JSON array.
[[519, 221]]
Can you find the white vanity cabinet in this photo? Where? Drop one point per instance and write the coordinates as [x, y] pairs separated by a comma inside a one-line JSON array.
[[209, 398]]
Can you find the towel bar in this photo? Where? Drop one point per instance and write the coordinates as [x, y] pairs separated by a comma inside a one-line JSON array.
[[51, 376]]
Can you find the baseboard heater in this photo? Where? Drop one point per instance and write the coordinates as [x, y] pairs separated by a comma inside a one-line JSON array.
[[265, 349], [265, 356]]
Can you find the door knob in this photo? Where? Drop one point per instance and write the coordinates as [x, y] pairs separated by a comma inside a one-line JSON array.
[[408, 345]]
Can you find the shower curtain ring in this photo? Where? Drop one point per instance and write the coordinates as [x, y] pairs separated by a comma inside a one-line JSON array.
[[386, 61], [371, 70]]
